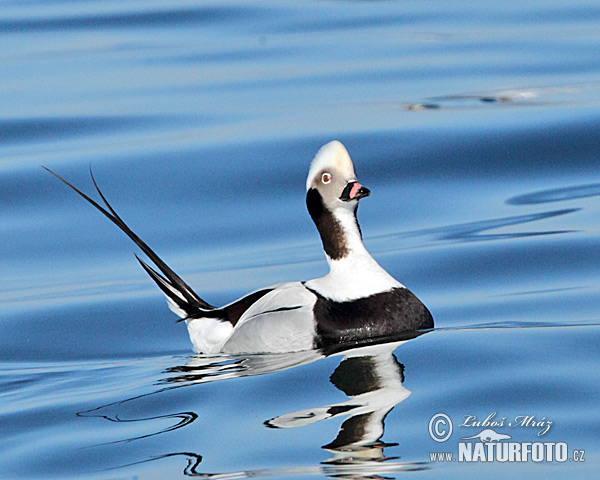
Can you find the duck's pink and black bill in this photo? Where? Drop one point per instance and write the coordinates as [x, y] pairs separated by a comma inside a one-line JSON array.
[[354, 191]]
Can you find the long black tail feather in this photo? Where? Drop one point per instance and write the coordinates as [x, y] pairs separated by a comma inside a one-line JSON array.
[[176, 290]]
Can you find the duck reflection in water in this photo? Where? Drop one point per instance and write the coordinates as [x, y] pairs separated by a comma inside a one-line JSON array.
[[371, 377]]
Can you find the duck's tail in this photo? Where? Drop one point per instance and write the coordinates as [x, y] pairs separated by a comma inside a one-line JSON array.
[[182, 299]]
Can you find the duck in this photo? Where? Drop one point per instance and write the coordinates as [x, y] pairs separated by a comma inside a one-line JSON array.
[[355, 301]]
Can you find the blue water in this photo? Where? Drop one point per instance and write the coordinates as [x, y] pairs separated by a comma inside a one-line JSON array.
[[475, 125]]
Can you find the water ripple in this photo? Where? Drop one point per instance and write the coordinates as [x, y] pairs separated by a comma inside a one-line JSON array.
[[473, 231], [22, 130], [556, 195], [130, 19]]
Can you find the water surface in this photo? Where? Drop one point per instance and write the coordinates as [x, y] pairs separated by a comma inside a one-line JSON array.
[[475, 127]]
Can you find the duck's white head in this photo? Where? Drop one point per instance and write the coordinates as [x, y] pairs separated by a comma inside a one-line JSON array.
[[332, 195], [332, 175]]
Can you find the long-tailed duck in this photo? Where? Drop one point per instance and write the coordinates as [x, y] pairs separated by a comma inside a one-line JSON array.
[[356, 300]]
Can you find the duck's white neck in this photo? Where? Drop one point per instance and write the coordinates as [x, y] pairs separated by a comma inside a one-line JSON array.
[[355, 273]]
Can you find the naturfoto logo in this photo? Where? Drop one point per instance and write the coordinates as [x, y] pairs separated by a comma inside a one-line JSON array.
[[490, 445]]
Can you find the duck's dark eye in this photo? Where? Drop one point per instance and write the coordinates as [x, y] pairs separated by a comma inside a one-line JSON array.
[[326, 178]]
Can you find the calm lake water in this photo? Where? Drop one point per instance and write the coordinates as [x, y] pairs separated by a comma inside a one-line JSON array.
[[474, 124]]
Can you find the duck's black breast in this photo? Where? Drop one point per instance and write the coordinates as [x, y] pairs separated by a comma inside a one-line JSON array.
[[381, 314]]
